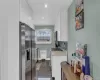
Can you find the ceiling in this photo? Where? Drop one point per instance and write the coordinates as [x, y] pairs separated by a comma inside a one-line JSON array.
[[42, 15]]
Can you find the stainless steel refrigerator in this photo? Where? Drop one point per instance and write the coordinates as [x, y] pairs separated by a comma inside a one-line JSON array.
[[27, 52]]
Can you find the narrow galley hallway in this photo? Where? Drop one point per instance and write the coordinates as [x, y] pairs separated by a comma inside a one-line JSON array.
[[41, 72], [43, 27], [50, 40]]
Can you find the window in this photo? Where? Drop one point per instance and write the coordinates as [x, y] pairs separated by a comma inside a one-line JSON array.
[[43, 36]]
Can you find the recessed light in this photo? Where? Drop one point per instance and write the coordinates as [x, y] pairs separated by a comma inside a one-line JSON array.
[[46, 5], [42, 17]]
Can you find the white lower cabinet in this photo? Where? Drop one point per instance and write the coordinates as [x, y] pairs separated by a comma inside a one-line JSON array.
[[56, 65]]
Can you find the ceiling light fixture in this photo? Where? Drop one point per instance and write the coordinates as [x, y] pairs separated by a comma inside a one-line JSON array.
[[46, 5]]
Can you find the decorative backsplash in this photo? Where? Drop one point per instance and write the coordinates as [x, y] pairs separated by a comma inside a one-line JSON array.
[[62, 45]]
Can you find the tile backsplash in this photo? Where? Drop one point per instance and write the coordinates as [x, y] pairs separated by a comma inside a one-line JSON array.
[[62, 45]]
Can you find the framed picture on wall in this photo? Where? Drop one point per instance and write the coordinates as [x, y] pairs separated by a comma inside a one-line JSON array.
[[43, 36], [79, 14]]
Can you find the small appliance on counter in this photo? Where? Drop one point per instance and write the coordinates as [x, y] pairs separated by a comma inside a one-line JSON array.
[[61, 45]]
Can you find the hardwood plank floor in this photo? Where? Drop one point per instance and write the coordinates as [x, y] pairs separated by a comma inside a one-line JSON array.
[[41, 72], [44, 71]]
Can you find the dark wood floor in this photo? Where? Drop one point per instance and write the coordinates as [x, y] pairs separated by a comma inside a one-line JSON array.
[[31, 75], [43, 72]]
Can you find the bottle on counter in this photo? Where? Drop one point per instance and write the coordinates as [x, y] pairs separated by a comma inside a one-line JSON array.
[[78, 68], [82, 76], [75, 66], [72, 67], [72, 62]]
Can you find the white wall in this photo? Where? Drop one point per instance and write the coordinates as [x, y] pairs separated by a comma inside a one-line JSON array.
[[26, 13], [25, 7], [3, 48], [9, 39], [61, 25], [26, 19]]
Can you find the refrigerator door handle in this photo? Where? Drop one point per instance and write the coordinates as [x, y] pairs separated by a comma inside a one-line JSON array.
[[28, 54]]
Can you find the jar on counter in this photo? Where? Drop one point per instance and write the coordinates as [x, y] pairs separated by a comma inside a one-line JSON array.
[[78, 68]]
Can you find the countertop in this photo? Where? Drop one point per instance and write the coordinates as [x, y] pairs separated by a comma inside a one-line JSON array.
[[56, 49], [68, 73], [59, 53]]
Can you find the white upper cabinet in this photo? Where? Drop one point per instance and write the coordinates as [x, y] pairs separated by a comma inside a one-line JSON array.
[[61, 26]]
